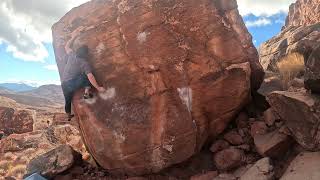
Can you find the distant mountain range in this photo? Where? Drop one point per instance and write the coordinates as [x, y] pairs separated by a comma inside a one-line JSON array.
[[17, 87], [47, 95]]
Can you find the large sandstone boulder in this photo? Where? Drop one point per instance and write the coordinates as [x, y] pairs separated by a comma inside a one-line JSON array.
[[177, 72], [15, 122], [312, 75], [301, 114]]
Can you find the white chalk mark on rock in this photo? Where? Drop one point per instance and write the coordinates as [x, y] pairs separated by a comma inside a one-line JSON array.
[[108, 94], [168, 147], [186, 97], [142, 37], [91, 101], [100, 48]]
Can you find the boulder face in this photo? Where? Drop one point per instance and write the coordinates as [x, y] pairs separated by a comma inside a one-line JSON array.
[[301, 114], [176, 71], [312, 75], [303, 12], [15, 122]]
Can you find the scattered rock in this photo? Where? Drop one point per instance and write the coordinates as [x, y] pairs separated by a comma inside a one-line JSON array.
[[152, 99], [306, 166], [270, 117], [229, 158], [312, 75], [261, 170], [15, 122], [258, 128], [219, 145], [242, 120], [271, 84], [137, 178], [245, 147], [225, 177], [273, 144], [53, 162], [233, 138], [206, 176], [301, 114]]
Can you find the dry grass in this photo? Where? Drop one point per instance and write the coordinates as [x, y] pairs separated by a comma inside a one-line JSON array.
[[290, 67], [5, 165], [17, 171]]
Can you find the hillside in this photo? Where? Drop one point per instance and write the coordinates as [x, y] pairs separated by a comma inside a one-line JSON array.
[[50, 92], [17, 87]]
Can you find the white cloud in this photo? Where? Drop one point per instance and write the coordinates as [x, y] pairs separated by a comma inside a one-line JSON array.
[[51, 67], [25, 25], [263, 7], [259, 22]]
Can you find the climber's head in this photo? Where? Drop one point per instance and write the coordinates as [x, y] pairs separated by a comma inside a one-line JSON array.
[[82, 52]]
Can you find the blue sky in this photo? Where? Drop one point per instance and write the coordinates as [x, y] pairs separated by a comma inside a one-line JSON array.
[[26, 53]]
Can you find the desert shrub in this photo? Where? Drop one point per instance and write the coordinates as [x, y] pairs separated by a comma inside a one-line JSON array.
[[290, 67]]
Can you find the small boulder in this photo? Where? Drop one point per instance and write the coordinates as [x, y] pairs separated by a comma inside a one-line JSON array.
[[53, 162], [261, 170], [270, 117], [225, 177], [219, 145], [258, 128], [306, 166], [300, 113], [233, 138], [273, 144], [229, 158], [242, 120], [206, 176]]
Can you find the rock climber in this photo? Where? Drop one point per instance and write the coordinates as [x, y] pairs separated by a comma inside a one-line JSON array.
[[77, 74]]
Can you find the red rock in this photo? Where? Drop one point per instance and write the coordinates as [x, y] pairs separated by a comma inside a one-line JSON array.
[[137, 178], [53, 162], [206, 176], [312, 74], [300, 113], [229, 159], [258, 128], [303, 13], [233, 137], [242, 120], [15, 122], [168, 67], [219, 145], [225, 177], [270, 117], [273, 144]]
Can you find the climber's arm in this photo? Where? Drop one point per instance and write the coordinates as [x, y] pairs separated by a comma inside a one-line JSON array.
[[94, 83]]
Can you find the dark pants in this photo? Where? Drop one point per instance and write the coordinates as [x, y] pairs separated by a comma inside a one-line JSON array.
[[70, 87]]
